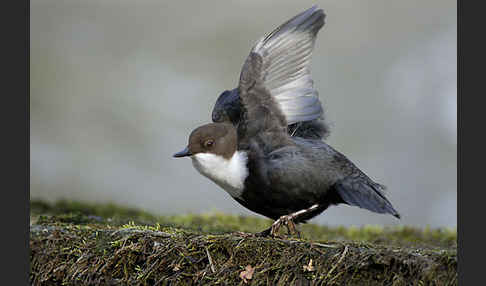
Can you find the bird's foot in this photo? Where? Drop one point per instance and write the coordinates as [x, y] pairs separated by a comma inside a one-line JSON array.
[[287, 221]]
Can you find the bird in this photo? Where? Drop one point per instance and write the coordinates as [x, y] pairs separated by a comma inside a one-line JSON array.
[[266, 147]]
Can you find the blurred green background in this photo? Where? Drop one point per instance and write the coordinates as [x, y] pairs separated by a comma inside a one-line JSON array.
[[117, 86]]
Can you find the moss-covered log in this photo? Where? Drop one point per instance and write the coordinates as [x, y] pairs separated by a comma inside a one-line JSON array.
[[76, 244]]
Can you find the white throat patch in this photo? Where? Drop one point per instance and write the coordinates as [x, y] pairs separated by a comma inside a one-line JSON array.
[[228, 174]]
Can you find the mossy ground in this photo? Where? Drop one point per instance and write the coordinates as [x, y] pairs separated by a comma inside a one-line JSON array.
[[77, 244]]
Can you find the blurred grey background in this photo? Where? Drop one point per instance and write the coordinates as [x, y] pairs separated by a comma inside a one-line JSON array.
[[117, 86]]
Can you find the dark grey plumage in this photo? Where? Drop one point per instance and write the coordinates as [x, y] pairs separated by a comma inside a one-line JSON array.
[[307, 172], [288, 174], [228, 108]]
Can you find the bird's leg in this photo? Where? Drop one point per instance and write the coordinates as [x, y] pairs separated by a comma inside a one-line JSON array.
[[287, 220], [292, 228]]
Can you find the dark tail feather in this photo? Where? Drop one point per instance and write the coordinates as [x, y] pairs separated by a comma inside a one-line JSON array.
[[357, 191]]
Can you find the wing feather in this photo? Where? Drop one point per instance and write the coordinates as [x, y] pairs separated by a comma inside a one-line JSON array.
[[360, 192], [276, 75]]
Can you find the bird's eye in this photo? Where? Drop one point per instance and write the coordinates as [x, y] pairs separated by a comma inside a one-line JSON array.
[[209, 143]]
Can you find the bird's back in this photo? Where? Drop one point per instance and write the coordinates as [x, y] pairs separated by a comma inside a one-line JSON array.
[[308, 172]]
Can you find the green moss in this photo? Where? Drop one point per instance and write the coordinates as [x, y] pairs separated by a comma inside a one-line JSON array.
[[105, 244], [63, 207], [219, 223]]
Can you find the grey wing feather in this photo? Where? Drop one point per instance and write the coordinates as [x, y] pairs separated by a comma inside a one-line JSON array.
[[262, 112], [360, 192], [276, 74]]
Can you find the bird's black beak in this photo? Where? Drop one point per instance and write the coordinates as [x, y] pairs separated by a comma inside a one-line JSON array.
[[183, 153]]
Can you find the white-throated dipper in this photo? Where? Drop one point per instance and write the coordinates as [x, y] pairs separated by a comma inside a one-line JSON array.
[[265, 147]]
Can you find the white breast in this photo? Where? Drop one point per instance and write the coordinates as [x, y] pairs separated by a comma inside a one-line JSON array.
[[228, 174]]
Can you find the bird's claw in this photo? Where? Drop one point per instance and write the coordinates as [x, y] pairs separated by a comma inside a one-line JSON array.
[[286, 220]]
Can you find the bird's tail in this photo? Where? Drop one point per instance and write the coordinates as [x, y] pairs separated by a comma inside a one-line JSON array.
[[363, 193]]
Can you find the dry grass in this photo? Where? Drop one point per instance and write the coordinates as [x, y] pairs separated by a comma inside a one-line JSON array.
[[78, 244]]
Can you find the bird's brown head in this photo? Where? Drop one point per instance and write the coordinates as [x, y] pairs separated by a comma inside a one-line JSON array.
[[216, 138]]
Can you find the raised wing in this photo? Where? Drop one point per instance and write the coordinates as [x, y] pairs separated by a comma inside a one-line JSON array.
[[276, 88]]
